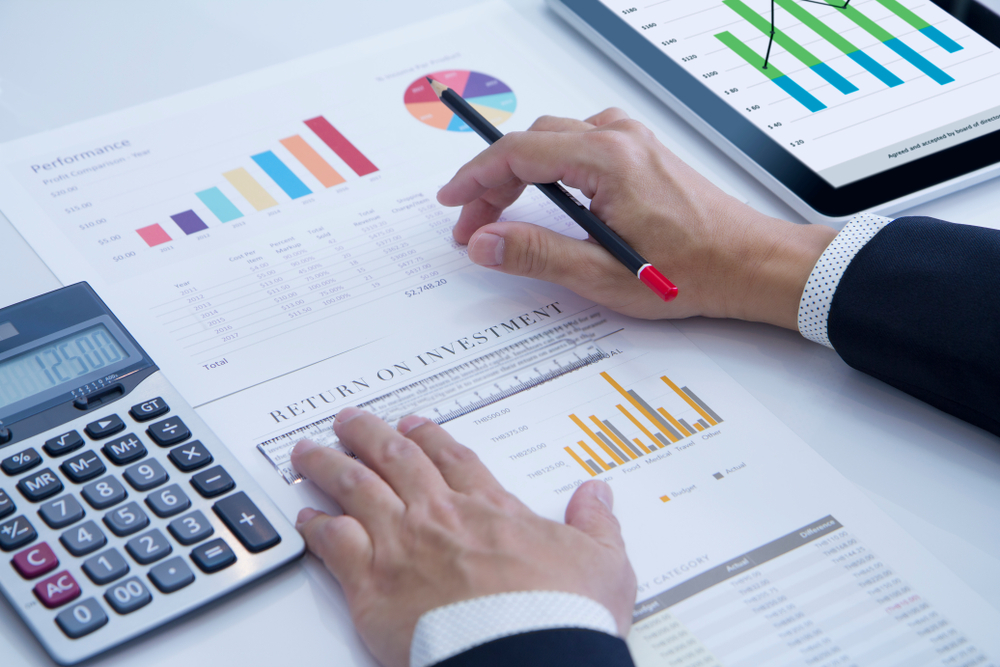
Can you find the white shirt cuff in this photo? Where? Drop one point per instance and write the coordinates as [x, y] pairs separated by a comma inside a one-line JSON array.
[[455, 628], [814, 307]]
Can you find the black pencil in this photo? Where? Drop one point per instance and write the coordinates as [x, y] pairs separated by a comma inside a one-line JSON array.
[[593, 225]]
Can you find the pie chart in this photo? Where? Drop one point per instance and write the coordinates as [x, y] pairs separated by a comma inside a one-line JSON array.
[[487, 94]]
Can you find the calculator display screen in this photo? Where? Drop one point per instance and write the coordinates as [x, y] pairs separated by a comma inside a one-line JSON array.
[[91, 351]]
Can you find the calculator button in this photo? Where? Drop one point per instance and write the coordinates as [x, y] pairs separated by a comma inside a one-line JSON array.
[[82, 467], [190, 528], [81, 619], [150, 409], [83, 539], [212, 482], [105, 567], [213, 556], [168, 501], [5, 435], [128, 596], [18, 463], [61, 512], [148, 547], [189, 457], [57, 590], [168, 432], [127, 519], [7, 505], [105, 492], [103, 428], [35, 561], [16, 533], [63, 444], [146, 475], [172, 575], [124, 450], [246, 521], [40, 486]]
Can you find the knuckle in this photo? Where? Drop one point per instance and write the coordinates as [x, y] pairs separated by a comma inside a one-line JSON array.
[[396, 448], [358, 477], [457, 455], [542, 122], [531, 256]]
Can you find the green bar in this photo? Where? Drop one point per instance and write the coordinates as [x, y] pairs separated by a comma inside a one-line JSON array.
[[817, 26], [780, 38], [749, 55], [904, 13], [876, 31]]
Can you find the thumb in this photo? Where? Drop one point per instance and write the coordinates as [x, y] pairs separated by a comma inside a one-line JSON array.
[[528, 250], [590, 511]]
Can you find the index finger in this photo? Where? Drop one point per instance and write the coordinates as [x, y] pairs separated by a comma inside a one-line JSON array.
[[533, 157]]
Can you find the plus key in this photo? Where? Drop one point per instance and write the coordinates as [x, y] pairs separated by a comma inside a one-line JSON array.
[[246, 521]]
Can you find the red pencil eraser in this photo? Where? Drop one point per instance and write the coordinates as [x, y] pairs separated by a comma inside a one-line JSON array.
[[657, 282]]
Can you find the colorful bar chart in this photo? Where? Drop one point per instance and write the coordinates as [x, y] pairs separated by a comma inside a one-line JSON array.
[[219, 204], [339, 144], [932, 33], [837, 40], [607, 445], [773, 73], [281, 174], [802, 54]]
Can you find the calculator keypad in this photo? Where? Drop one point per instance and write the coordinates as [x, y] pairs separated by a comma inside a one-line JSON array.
[[120, 526]]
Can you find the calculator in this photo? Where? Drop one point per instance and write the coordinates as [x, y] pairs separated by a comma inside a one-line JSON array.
[[119, 509]]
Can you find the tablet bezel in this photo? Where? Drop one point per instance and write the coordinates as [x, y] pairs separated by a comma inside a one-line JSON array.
[[801, 181]]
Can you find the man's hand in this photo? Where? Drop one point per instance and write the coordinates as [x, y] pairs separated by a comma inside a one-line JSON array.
[[726, 259], [425, 524]]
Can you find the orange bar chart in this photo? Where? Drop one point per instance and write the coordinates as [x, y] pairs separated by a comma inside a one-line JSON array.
[[312, 161]]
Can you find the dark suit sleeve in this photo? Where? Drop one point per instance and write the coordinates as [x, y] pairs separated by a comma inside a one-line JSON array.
[[547, 648], [919, 308]]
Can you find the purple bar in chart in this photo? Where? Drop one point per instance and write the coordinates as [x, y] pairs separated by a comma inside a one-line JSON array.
[[189, 222]]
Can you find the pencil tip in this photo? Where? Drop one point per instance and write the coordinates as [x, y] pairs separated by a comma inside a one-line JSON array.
[[437, 86], [429, 80]]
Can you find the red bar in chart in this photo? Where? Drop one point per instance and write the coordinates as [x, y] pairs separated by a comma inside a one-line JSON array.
[[154, 235], [339, 144]]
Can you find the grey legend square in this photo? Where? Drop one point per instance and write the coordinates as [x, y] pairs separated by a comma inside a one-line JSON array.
[[718, 475]]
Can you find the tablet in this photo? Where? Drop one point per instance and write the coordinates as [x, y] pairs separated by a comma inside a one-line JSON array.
[[838, 106]]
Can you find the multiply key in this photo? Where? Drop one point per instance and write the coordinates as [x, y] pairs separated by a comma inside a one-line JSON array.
[[124, 450], [190, 456], [40, 486]]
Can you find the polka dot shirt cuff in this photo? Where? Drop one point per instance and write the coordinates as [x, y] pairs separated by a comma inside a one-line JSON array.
[[447, 631], [814, 307]]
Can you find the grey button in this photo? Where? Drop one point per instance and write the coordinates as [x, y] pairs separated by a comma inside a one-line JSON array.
[[61, 512], [83, 539], [171, 575], [148, 547], [127, 519], [190, 528], [105, 492], [213, 556], [212, 482], [16, 533], [168, 501], [82, 618], [127, 596], [146, 475], [105, 567]]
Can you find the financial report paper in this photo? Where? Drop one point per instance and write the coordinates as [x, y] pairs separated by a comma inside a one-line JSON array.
[[276, 246]]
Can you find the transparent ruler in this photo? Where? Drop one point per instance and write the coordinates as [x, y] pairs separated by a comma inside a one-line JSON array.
[[460, 389]]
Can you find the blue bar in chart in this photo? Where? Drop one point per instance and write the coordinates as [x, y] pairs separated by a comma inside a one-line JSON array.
[[918, 61], [874, 68], [219, 204], [941, 39], [281, 174]]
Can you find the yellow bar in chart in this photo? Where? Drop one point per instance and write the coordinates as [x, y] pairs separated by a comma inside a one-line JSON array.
[[580, 461], [638, 424], [593, 455], [673, 422], [621, 390], [600, 443], [618, 441], [687, 399], [641, 446], [251, 190]]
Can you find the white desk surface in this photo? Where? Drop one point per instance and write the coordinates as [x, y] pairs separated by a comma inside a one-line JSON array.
[[62, 62]]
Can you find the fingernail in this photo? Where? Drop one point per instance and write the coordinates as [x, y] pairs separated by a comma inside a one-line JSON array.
[[347, 414], [303, 446], [487, 250], [605, 495], [410, 422], [305, 516]]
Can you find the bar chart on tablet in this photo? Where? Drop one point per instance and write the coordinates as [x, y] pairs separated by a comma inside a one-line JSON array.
[[834, 81]]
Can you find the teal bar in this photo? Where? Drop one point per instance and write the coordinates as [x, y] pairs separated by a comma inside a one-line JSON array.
[[918, 61], [941, 39], [870, 64], [799, 93], [281, 174], [219, 204], [834, 78]]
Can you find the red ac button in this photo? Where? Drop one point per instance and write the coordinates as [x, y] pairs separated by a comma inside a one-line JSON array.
[[57, 590], [35, 561]]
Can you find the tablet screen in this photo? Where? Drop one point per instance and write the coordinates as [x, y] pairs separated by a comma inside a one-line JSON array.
[[851, 88]]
